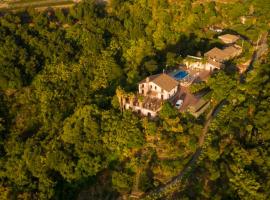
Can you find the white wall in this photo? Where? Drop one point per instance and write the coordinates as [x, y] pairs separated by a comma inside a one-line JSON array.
[[156, 88], [143, 110], [200, 65]]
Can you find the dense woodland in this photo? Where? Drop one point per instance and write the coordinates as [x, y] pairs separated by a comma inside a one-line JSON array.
[[62, 134]]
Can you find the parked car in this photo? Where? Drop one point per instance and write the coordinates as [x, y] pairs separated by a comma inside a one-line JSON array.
[[179, 103]]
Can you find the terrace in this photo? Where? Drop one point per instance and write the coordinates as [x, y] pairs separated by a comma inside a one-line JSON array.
[[153, 104], [149, 103], [187, 76]]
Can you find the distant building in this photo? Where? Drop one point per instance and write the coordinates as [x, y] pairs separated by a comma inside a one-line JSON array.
[[198, 63], [229, 38], [216, 55], [243, 19], [216, 29], [222, 55]]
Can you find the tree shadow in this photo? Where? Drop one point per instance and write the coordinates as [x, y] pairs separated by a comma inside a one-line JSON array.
[[98, 187], [231, 67], [233, 32], [190, 45]]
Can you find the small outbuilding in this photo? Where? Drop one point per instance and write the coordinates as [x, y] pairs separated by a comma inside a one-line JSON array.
[[229, 38]]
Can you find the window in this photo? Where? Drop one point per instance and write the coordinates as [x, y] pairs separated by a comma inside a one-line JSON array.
[[162, 90], [155, 87], [151, 86], [142, 85]]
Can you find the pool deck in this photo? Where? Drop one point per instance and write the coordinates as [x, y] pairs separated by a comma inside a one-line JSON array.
[[200, 75], [186, 95], [194, 75]]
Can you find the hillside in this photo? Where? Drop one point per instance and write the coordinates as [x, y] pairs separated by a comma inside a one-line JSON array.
[[135, 99]]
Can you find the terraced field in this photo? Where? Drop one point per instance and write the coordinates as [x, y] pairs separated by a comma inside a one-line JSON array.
[[22, 4]]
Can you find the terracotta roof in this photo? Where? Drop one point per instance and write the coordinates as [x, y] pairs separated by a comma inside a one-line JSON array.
[[152, 77], [216, 53], [229, 38], [231, 51], [164, 81], [224, 54]]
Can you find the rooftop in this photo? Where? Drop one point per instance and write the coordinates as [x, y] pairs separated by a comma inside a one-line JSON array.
[[216, 53], [164, 81], [223, 54], [149, 103], [231, 51], [229, 38]]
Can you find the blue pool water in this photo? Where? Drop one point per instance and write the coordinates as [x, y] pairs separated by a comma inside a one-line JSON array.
[[180, 75]]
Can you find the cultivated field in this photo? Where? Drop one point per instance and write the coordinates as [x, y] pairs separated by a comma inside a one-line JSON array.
[[22, 4]]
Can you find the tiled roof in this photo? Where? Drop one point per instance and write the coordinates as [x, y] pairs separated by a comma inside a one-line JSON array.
[[164, 81], [224, 54], [216, 53], [229, 38], [231, 51]]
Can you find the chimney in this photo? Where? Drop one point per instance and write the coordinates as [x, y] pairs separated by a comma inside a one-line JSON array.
[[147, 80]]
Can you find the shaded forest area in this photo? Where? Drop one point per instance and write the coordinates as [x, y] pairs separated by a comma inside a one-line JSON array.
[[62, 135]]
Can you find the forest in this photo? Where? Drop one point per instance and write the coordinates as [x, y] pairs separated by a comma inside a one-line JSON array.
[[63, 135]]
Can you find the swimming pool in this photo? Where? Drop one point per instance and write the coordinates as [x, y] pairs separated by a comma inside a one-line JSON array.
[[180, 75]]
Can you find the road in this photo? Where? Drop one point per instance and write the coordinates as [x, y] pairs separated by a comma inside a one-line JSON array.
[[177, 179]]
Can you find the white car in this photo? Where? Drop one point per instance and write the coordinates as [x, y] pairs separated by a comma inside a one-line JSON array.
[[179, 103]]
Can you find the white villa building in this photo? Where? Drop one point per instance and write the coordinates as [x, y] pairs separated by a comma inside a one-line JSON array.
[[161, 86], [153, 91]]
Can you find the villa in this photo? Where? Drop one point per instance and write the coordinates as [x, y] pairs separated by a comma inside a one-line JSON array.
[[161, 86], [154, 90], [152, 93]]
